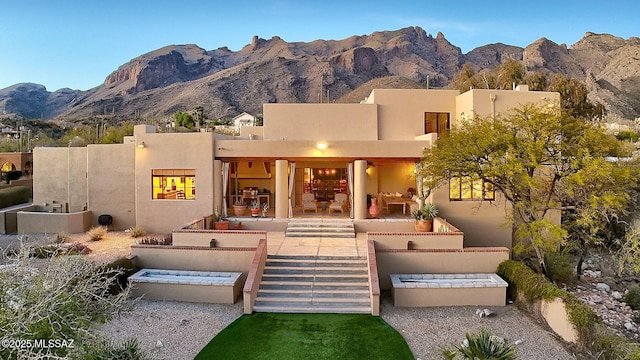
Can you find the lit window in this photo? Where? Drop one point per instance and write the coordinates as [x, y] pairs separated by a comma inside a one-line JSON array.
[[173, 184], [466, 188]]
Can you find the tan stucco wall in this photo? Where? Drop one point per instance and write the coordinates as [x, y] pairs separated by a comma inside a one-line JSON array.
[[478, 101], [483, 223], [197, 259], [399, 240], [172, 151], [111, 183], [327, 122], [475, 296], [60, 175], [51, 223], [252, 149], [21, 161], [401, 111], [232, 238], [395, 177]]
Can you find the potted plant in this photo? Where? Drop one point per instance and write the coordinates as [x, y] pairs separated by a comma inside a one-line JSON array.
[[220, 223], [239, 208], [424, 217], [255, 208], [238, 226]]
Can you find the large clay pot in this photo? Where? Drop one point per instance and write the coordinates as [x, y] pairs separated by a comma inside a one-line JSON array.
[[424, 225], [374, 209], [239, 210], [255, 212], [221, 225]]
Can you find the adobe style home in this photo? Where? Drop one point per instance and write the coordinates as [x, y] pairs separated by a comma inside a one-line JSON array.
[[161, 181], [310, 166]]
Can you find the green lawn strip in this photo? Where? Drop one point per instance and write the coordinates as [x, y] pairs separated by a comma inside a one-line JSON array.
[[307, 336]]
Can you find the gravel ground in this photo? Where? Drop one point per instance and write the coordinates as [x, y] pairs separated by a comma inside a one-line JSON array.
[[185, 328]]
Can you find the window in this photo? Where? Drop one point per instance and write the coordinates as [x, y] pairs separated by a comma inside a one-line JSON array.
[[466, 188], [174, 184], [436, 123]]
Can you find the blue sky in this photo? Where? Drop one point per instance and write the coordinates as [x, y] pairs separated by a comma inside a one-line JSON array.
[[77, 44]]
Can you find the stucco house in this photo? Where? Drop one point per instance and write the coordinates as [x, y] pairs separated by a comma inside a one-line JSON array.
[[161, 181]]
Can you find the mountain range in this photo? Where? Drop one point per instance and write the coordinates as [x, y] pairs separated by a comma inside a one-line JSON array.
[[180, 77]]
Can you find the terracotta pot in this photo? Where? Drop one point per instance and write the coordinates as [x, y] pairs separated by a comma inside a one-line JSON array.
[[239, 210], [374, 209], [255, 212], [424, 225], [221, 225]]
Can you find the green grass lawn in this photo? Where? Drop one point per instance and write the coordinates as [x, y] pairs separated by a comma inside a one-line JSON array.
[[307, 336]]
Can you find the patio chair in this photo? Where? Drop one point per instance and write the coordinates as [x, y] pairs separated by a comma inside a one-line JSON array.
[[309, 202], [339, 203]]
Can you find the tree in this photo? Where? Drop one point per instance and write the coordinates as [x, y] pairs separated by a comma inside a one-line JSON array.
[[184, 119], [574, 101], [510, 72], [535, 156], [198, 116]]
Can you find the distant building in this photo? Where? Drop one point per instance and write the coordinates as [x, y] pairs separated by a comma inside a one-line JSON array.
[[244, 119]]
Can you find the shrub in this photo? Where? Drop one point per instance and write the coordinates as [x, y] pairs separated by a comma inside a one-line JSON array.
[[97, 233], [14, 196], [560, 267], [61, 301], [482, 345], [632, 297], [129, 349], [62, 237], [122, 268], [136, 231]]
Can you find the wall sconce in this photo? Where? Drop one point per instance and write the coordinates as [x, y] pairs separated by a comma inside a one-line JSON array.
[[141, 145], [322, 146], [220, 148]]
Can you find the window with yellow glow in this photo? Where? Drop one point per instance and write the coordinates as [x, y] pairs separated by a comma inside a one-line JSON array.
[[174, 184], [466, 188]]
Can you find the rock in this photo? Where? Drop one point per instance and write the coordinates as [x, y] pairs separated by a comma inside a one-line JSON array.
[[517, 342], [485, 313], [629, 326], [616, 295], [603, 287], [159, 344]]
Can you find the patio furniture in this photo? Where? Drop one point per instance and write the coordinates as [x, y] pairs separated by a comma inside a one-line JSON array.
[[309, 202], [340, 202]]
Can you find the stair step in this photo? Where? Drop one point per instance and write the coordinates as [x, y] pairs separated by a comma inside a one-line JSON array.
[[314, 271], [314, 258], [284, 294], [323, 264], [313, 287], [314, 309]]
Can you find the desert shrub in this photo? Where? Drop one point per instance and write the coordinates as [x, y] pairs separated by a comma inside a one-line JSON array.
[[97, 233], [560, 267], [62, 237], [627, 135], [14, 196], [60, 301], [122, 268], [136, 231], [103, 349], [482, 345], [632, 297]]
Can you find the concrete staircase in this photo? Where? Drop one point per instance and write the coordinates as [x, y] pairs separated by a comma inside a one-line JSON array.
[[314, 284], [327, 228]]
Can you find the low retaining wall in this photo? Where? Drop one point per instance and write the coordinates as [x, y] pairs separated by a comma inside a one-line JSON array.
[[420, 290], [437, 261], [51, 223], [193, 258], [222, 238], [374, 282], [430, 240], [191, 286], [9, 217]]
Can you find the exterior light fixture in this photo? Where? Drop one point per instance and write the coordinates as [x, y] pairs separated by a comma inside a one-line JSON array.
[[322, 146], [141, 145]]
